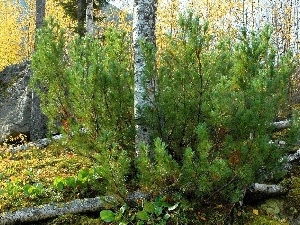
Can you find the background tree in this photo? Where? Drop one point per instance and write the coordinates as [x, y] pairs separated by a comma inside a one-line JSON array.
[[167, 22], [80, 17], [89, 17], [40, 6], [224, 16], [77, 10], [37, 119]]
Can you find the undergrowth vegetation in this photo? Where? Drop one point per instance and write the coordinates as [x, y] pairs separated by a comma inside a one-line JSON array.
[[29, 178]]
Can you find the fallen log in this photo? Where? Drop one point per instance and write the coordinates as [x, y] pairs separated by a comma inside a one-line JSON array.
[[294, 157], [267, 189], [282, 124], [48, 211], [259, 192], [56, 209]]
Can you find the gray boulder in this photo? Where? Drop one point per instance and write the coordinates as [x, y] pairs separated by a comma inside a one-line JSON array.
[[19, 107]]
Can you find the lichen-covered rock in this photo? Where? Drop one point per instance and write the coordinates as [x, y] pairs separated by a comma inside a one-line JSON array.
[[19, 112]]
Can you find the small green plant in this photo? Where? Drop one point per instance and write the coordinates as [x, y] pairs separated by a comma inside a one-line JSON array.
[[58, 183], [34, 190], [156, 212], [87, 183], [13, 187]]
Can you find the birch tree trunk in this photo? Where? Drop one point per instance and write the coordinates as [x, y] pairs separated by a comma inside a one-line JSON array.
[[89, 18], [37, 118], [29, 215], [144, 16]]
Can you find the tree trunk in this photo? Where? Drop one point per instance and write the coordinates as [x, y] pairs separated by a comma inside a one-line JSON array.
[[89, 18], [38, 119], [40, 13], [80, 18], [144, 16]]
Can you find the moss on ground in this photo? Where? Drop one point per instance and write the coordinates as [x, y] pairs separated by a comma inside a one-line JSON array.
[[266, 220], [292, 203], [36, 167], [71, 219]]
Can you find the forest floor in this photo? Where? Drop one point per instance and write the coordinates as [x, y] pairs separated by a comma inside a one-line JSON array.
[[28, 178]]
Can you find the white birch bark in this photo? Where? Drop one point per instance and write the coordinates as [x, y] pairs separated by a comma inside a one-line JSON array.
[[89, 18], [53, 210], [144, 16], [267, 189], [282, 124]]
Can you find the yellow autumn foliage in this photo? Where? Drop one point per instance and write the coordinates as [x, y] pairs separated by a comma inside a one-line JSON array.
[[10, 38], [167, 17], [17, 24], [56, 11]]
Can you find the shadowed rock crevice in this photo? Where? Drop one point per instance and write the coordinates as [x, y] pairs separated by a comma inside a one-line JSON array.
[[19, 106]]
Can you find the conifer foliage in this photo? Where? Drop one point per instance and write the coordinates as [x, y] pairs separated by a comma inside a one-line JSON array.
[[212, 114], [215, 106], [91, 86]]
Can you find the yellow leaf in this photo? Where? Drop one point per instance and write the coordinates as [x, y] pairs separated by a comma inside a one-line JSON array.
[[202, 218], [255, 212]]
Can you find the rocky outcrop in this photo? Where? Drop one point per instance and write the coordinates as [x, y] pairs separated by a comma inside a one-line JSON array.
[[19, 107]]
